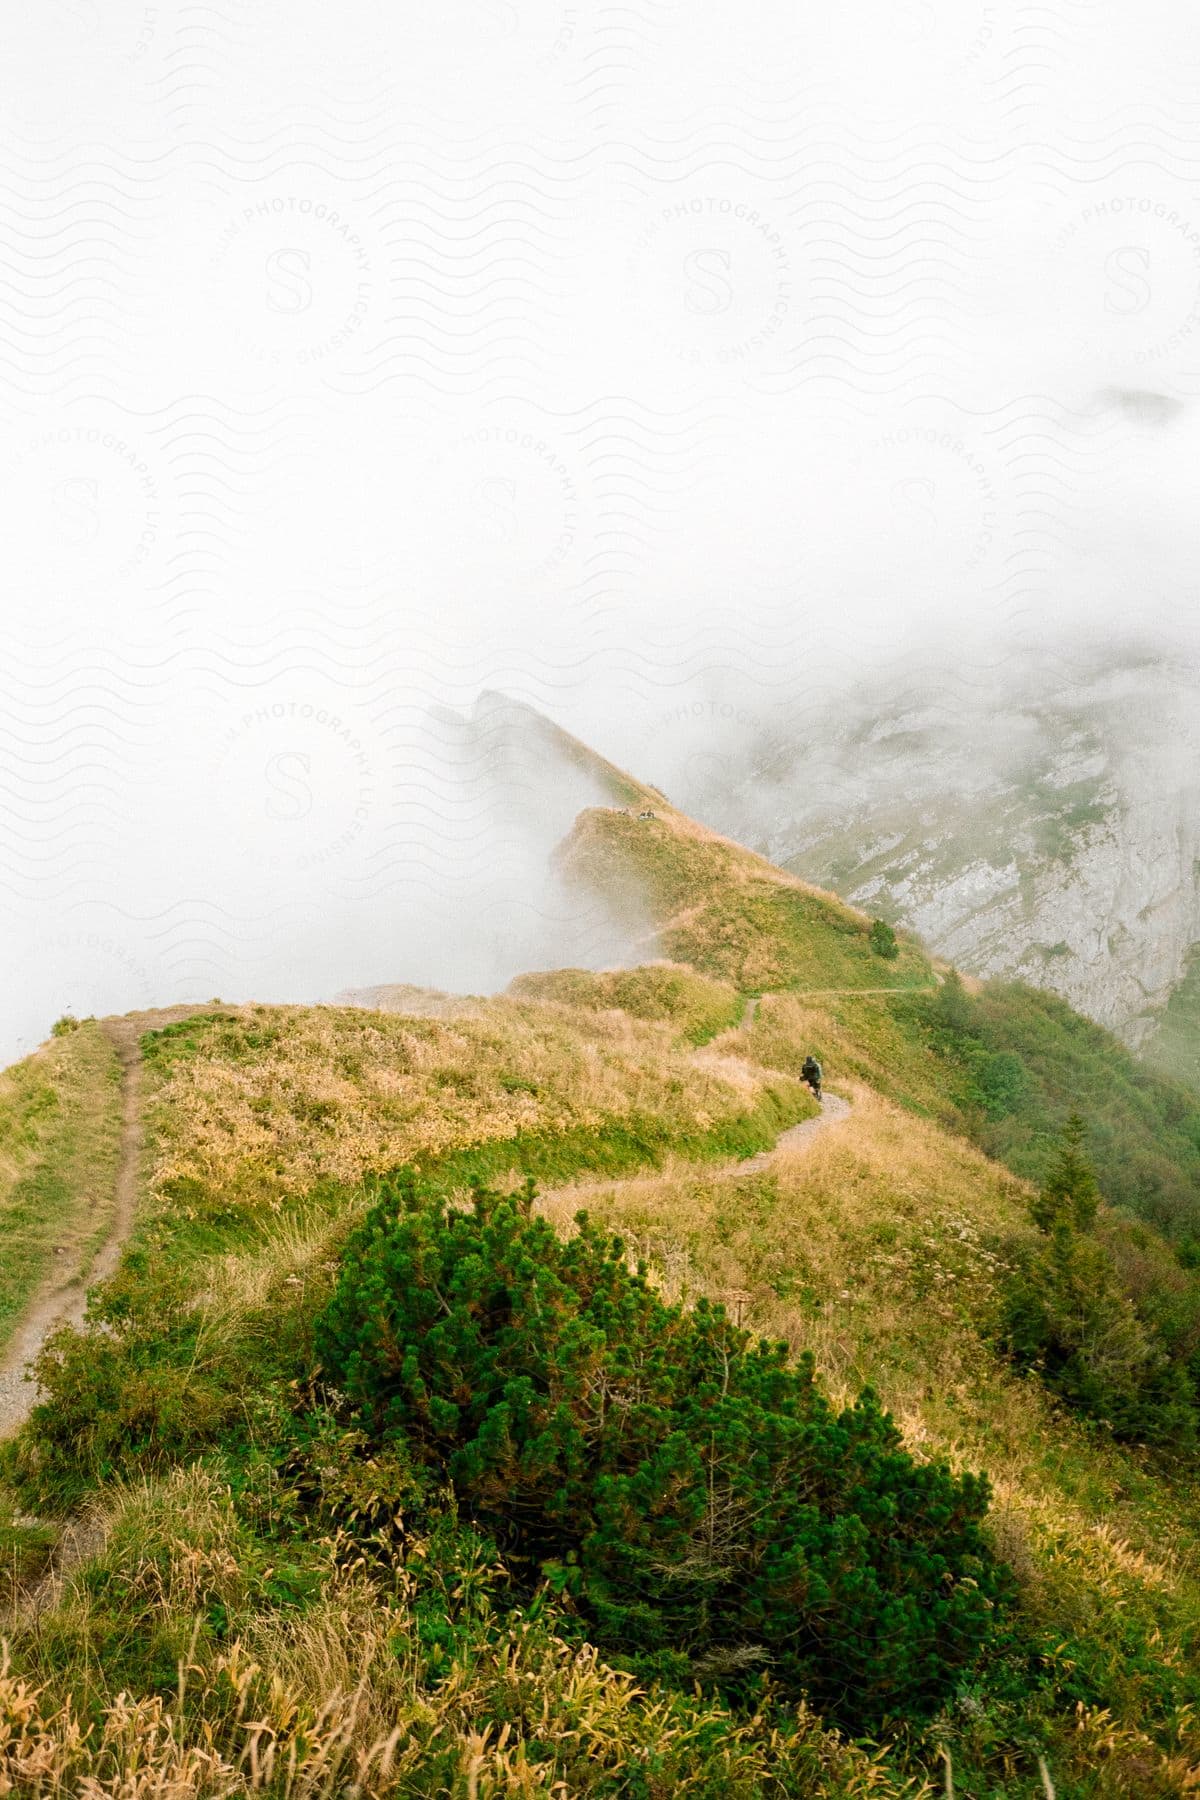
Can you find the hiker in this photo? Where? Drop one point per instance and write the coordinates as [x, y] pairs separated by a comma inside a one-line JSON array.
[[811, 1071]]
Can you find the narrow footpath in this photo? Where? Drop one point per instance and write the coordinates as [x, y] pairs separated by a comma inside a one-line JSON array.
[[63, 1299]]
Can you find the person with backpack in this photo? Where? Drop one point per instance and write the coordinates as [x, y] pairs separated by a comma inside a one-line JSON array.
[[811, 1071]]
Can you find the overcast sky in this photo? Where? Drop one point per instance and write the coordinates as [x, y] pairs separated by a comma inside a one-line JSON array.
[[356, 359]]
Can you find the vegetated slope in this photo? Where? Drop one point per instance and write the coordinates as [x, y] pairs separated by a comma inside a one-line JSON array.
[[1002, 1061], [292, 1552], [1174, 1047], [728, 912], [883, 1251], [59, 1137]]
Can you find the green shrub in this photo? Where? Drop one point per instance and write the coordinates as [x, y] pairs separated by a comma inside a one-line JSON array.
[[883, 940], [114, 1401], [1002, 1083], [62, 1027], [697, 1500]]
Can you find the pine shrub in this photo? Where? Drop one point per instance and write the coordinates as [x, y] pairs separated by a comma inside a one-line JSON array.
[[697, 1500]]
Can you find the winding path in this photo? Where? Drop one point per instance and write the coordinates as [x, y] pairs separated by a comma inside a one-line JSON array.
[[795, 1137], [62, 1301]]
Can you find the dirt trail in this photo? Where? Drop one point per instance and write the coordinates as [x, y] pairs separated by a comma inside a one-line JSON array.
[[833, 1108], [921, 987], [752, 1000], [796, 1137], [62, 1300]]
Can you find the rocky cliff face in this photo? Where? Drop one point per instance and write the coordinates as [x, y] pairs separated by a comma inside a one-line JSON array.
[[1048, 829]]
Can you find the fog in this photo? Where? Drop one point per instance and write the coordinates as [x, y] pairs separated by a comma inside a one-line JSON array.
[[682, 372]]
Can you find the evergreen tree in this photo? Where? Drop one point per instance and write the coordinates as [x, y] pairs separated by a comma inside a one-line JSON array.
[[1070, 1193], [952, 1006]]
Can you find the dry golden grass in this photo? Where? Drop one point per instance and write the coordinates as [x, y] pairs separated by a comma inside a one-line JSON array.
[[336, 1699], [877, 1204], [725, 910], [856, 1037], [278, 1099], [418, 1002], [695, 1004]]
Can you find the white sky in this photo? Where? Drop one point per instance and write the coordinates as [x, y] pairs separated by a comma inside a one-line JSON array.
[[355, 359]]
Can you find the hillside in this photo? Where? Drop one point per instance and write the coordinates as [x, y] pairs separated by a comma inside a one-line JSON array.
[[1003, 1061], [262, 1424]]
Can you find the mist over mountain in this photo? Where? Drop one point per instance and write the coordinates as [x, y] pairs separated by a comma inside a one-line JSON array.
[[456, 888], [1038, 821]]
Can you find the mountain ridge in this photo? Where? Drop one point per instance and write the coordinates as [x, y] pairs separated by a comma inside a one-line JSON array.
[[248, 1521]]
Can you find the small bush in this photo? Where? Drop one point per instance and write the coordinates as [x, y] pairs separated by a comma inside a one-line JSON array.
[[883, 940], [61, 1027], [699, 1502], [114, 1401]]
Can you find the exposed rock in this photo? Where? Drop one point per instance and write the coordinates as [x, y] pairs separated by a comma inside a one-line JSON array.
[[1049, 831]]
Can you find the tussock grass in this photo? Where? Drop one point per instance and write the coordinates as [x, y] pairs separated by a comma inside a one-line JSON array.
[[699, 1006], [336, 1694], [261, 1106]]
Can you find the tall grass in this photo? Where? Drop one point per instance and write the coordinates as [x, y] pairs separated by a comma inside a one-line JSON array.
[[338, 1696], [255, 1108]]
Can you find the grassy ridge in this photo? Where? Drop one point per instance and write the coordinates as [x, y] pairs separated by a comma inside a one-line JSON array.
[[1001, 1061], [254, 1109], [59, 1137], [695, 1004], [876, 1250], [727, 912]]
